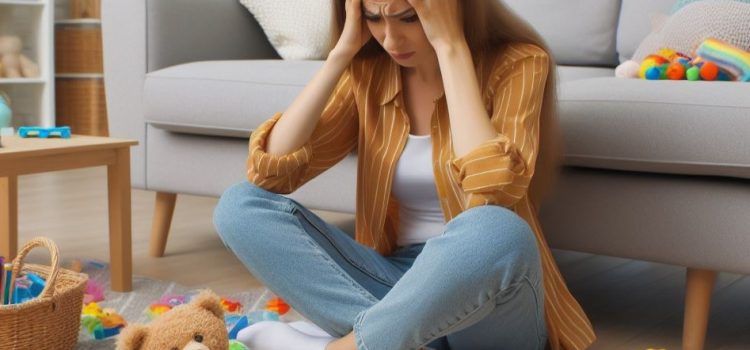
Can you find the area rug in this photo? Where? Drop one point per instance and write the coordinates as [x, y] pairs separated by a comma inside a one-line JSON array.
[[146, 291]]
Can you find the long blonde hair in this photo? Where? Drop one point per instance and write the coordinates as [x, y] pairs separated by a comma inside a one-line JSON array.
[[488, 26]]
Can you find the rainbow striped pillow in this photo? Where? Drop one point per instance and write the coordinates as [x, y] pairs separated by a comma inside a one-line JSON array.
[[732, 59]]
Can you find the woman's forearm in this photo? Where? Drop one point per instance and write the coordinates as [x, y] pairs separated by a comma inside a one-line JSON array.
[[297, 123], [470, 122]]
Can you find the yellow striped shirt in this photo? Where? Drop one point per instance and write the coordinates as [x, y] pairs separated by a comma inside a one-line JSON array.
[[365, 112]]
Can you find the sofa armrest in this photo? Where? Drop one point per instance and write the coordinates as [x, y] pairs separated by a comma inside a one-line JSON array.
[[140, 36]]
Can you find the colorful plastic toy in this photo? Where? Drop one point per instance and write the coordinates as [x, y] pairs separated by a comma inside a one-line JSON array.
[[231, 306], [649, 62], [714, 60], [278, 305], [709, 71], [154, 310], [235, 323], [257, 316], [41, 132], [236, 345], [173, 299], [729, 58], [101, 323], [693, 73], [94, 292], [676, 71]]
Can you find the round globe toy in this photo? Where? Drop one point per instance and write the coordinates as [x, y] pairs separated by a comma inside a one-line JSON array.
[[6, 114]]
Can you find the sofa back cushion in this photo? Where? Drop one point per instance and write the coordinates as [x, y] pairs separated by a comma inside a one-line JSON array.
[[579, 32], [636, 19]]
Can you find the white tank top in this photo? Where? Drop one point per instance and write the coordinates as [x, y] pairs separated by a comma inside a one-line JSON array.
[[420, 215]]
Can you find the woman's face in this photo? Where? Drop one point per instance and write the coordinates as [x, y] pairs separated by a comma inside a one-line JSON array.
[[395, 25]]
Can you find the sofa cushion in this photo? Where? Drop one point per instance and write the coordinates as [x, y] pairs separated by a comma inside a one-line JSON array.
[[231, 98], [636, 18], [678, 127], [224, 98], [570, 73], [574, 38]]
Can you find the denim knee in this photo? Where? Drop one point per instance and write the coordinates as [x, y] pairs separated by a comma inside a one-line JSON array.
[[497, 231], [241, 204]]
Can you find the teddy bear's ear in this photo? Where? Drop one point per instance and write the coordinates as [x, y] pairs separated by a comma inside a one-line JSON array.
[[208, 300], [132, 337]]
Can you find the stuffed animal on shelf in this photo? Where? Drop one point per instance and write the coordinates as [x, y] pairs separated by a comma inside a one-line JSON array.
[[198, 324], [15, 64]]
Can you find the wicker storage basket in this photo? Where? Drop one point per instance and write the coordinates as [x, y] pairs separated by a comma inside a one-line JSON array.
[[52, 320], [85, 9], [78, 49], [80, 104]]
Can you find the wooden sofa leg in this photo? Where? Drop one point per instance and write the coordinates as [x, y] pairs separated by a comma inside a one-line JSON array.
[[163, 210], [699, 287]]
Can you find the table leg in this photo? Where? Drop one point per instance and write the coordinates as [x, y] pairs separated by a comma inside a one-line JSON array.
[[120, 244], [9, 216]]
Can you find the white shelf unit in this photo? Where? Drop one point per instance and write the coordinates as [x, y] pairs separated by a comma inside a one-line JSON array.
[[33, 99]]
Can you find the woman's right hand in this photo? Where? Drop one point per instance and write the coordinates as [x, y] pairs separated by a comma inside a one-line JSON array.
[[355, 33]]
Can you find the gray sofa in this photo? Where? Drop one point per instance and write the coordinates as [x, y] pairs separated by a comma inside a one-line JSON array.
[[654, 171]]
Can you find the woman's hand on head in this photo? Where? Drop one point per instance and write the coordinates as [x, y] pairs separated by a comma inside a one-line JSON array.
[[441, 20], [355, 33]]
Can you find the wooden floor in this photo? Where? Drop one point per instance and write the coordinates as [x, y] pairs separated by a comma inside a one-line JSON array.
[[633, 304]]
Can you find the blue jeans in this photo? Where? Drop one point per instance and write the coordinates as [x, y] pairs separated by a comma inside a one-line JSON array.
[[476, 286]]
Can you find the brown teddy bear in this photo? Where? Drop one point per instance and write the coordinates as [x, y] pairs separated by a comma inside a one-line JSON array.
[[13, 63], [197, 325]]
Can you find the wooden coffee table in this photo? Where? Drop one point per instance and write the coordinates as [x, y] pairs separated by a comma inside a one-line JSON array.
[[21, 156]]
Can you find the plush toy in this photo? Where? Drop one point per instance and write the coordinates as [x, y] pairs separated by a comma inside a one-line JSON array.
[[729, 58], [628, 69], [198, 325], [14, 63], [714, 60]]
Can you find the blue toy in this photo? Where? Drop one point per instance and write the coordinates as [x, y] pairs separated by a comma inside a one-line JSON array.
[[41, 132], [235, 323]]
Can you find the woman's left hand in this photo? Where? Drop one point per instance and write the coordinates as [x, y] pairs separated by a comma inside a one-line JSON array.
[[441, 20]]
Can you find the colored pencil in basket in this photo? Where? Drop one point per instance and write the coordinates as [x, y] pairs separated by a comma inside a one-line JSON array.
[[2, 279], [7, 282]]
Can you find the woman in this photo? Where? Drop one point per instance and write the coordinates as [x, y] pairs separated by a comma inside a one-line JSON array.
[[451, 107]]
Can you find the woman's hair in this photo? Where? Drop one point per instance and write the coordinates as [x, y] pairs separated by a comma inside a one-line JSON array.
[[488, 26]]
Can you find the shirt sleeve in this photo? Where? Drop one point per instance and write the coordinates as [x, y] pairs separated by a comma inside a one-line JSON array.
[[499, 170], [335, 135]]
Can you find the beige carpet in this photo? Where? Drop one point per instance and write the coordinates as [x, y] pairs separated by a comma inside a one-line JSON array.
[[147, 291]]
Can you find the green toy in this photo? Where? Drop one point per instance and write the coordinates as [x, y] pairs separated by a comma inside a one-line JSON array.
[[236, 345]]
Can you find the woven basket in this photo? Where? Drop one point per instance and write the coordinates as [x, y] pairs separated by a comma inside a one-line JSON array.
[[52, 320], [85, 9], [78, 49], [81, 105]]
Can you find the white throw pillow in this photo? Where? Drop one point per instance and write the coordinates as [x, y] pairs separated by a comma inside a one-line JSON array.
[[297, 29], [684, 31]]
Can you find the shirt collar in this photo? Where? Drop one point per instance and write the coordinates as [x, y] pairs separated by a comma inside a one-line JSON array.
[[392, 85]]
